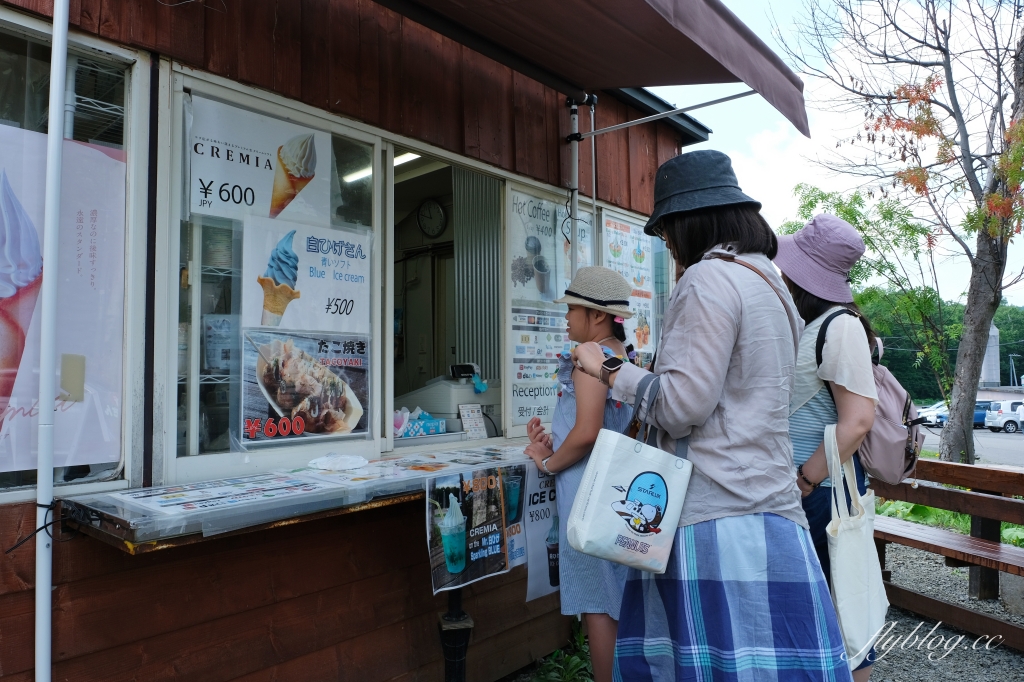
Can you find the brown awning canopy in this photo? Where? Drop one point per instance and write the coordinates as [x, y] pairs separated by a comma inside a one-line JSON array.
[[578, 46]]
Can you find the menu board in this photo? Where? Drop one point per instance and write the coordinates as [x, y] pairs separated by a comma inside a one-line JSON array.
[[305, 332], [539, 270], [630, 252]]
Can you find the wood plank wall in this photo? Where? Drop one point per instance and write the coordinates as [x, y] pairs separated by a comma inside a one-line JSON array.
[[346, 598], [360, 60]]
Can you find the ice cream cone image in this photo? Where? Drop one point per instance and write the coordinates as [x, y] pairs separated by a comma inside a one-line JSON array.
[[279, 281], [21, 265], [296, 166], [276, 298]]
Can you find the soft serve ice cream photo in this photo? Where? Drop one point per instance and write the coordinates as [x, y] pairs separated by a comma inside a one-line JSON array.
[[279, 281], [21, 274], [296, 166]]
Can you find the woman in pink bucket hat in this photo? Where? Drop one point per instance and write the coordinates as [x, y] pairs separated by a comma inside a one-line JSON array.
[[833, 383]]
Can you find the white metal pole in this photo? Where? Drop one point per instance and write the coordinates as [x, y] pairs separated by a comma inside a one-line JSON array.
[[574, 181], [593, 162], [48, 339]]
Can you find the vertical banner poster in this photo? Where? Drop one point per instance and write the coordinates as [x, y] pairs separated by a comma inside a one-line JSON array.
[[630, 252], [243, 163], [466, 528], [540, 270], [305, 331], [513, 481], [90, 277], [542, 533]]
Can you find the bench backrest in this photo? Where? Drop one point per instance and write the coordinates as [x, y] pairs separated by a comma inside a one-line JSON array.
[[985, 499]]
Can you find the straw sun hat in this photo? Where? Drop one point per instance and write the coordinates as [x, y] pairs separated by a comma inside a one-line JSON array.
[[601, 289]]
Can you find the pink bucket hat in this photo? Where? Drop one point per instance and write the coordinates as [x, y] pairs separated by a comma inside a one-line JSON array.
[[819, 256]]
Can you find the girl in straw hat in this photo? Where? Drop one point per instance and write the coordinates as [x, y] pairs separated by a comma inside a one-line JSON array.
[[598, 300]]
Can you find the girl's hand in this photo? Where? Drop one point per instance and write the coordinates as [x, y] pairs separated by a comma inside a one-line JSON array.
[[589, 357], [534, 430], [538, 452]]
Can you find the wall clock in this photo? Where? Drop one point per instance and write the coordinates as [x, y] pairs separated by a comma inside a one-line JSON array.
[[431, 218]]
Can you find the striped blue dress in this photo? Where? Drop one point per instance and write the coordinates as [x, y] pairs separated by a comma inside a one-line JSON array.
[[588, 584]]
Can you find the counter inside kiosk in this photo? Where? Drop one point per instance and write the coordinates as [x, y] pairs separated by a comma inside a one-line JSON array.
[[447, 223]]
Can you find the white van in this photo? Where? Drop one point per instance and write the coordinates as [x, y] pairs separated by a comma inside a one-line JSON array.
[[1002, 415]]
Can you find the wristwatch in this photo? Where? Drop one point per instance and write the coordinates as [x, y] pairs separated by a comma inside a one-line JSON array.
[[608, 367], [544, 466]]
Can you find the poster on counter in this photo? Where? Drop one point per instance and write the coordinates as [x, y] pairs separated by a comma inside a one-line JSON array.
[[90, 276], [542, 533], [540, 270], [630, 252], [466, 527], [303, 385], [301, 277], [222, 493], [243, 163]]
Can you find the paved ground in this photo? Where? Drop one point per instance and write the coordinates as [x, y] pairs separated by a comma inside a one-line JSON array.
[[991, 448]]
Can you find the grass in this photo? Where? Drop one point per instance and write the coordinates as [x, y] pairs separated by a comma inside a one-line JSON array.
[[571, 664], [1011, 533]]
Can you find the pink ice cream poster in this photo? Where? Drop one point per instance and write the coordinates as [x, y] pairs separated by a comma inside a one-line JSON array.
[[90, 298]]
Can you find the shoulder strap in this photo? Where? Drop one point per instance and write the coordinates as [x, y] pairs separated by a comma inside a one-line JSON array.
[[732, 259], [819, 346]]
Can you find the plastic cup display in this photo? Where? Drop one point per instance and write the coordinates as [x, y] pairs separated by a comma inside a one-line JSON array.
[[541, 273], [453, 538], [552, 564], [513, 484]]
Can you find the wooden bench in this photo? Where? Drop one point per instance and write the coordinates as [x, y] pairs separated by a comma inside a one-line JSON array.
[[989, 502]]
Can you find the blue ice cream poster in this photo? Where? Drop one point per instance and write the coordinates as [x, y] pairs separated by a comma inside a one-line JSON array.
[[299, 277]]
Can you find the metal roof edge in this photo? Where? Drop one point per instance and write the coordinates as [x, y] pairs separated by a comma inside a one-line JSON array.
[[692, 130]]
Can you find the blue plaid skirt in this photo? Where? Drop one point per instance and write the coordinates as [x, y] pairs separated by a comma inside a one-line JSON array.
[[751, 606]]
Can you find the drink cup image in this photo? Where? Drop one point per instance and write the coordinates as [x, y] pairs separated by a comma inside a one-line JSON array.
[[541, 273], [513, 485], [453, 537], [551, 544]]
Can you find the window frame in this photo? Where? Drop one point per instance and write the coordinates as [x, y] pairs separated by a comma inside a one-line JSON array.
[[168, 467], [136, 146]]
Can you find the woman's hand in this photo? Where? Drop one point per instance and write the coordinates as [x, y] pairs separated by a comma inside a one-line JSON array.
[[538, 452], [536, 433], [589, 357], [805, 489]]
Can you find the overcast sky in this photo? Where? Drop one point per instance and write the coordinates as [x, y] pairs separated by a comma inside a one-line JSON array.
[[771, 157]]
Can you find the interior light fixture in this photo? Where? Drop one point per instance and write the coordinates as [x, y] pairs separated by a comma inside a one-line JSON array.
[[368, 171]]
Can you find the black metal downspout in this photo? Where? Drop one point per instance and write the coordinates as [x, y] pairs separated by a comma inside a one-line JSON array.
[[150, 351]]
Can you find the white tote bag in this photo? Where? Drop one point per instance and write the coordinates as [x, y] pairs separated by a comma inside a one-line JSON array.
[[857, 589], [628, 504]]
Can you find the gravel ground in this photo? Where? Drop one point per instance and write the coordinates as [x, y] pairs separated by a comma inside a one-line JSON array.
[[955, 655], [951, 658]]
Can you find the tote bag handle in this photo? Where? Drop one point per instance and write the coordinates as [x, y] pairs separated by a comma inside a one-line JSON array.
[[844, 479], [653, 381]]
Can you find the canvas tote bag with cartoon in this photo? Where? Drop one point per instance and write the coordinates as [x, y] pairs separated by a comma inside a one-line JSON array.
[[628, 504]]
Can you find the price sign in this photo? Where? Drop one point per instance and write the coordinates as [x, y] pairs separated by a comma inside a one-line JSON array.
[[275, 427]]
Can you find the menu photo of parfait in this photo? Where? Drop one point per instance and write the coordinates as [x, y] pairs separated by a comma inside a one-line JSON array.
[[466, 526]]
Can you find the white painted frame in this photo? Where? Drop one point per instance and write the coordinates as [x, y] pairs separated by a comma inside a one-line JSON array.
[[137, 66]]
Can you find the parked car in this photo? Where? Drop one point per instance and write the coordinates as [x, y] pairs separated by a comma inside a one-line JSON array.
[[931, 412], [1002, 415], [980, 411]]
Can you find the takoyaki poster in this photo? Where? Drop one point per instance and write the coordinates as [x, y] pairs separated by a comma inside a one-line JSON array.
[[630, 252], [244, 163], [303, 385], [296, 276]]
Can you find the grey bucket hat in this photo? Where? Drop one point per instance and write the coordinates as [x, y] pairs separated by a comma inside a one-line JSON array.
[[693, 181]]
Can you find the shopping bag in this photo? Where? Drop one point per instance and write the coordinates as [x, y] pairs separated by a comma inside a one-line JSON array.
[[857, 589], [628, 505]]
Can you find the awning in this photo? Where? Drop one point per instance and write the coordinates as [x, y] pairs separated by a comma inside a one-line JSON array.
[[580, 46]]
